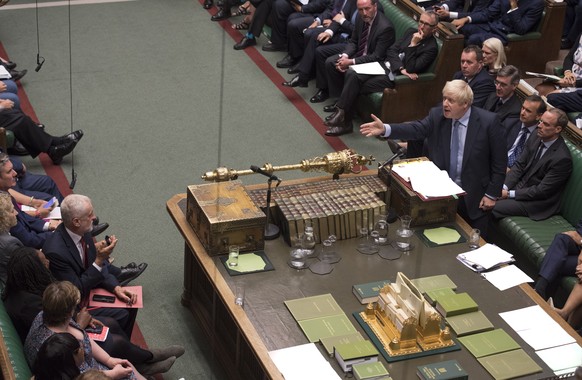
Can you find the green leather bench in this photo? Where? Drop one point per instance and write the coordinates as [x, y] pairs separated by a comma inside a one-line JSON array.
[[12, 360], [528, 240]]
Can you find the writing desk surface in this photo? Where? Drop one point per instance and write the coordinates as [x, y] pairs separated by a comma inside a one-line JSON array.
[[265, 293]]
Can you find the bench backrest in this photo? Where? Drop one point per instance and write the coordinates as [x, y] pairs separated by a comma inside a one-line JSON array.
[[571, 206]]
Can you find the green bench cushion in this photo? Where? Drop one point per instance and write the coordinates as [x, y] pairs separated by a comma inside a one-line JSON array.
[[13, 346]]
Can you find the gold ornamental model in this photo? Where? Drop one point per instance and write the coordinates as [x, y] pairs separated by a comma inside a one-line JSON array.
[[336, 163]]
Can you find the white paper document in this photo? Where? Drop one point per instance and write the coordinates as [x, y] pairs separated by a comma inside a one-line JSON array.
[[526, 318], [4, 74], [507, 277], [54, 214], [370, 68], [563, 358], [485, 257], [537, 328], [303, 362], [427, 179]]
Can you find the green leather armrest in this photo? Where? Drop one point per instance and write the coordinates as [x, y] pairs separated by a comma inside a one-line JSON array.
[[525, 37]]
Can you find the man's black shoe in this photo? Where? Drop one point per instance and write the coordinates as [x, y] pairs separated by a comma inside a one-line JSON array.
[[293, 69], [208, 4], [272, 47], [286, 62], [295, 82], [222, 14], [134, 265], [99, 229], [330, 108], [565, 44], [57, 152], [338, 131], [245, 43], [75, 136], [336, 119], [320, 96], [129, 274], [17, 75]]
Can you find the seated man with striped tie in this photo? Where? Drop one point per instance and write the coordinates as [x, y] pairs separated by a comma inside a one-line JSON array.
[[532, 109], [534, 185]]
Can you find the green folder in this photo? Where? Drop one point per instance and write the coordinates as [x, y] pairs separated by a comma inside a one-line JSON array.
[[489, 343], [509, 365]]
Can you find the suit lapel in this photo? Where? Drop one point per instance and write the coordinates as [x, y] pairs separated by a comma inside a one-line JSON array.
[[472, 133]]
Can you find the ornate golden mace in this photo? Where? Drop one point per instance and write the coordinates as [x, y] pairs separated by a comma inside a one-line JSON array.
[[336, 163]]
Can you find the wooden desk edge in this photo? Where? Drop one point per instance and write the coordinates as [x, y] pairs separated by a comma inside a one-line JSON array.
[[246, 328]]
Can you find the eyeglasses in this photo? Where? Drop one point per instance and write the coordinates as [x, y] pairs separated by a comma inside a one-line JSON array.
[[501, 84], [423, 23]]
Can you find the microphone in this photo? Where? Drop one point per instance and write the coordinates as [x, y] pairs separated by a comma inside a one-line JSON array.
[[39, 63], [398, 152], [256, 169]]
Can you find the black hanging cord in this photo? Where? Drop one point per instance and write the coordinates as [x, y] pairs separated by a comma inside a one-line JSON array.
[[39, 59], [73, 173]]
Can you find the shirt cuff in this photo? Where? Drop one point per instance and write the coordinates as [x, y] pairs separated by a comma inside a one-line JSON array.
[[97, 267], [387, 130], [341, 22], [329, 31], [490, 197], [470, 19], [511, 194], [511, 10], [454, 15], [46, 226], [318, 20]]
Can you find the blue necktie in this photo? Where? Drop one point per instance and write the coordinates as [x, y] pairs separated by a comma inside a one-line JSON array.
[[454, 159], [518, 147]]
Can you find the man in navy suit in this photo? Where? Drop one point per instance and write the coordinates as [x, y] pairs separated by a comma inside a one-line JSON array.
[[372, 36], [499, 19], [462, 139], [534, 185], [74, 257], [473, 73]]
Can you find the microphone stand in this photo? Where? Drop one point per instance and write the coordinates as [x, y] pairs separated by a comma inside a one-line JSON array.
[[271, 230]]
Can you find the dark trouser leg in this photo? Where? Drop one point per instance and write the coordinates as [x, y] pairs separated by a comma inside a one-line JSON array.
[[367, 84], [335, 78], [295, 28], [124, 317], [34, 139], [282, 9], [509, 207], [560, 259], [481, 222], [118, 345], [322, 53], [576, 29], [568, 102], [262, 10]]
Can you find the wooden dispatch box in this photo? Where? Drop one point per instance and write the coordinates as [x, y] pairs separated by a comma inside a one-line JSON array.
[[406, 202], [222, 214]]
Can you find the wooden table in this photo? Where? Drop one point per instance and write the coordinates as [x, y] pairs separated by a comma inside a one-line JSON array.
[[241, 337]]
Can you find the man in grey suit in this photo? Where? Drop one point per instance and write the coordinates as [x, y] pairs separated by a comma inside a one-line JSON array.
[[462, 139], [534, 185]]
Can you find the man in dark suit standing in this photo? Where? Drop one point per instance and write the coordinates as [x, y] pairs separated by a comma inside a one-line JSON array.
[[520, 133], [371, 38], [534, 185], [472, 72], [74, 257], [499, 19], [411, 55], [462, 139], [503, 101]]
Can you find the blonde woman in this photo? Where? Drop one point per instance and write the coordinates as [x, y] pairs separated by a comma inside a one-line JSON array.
[[493, 55], [8, 243]]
